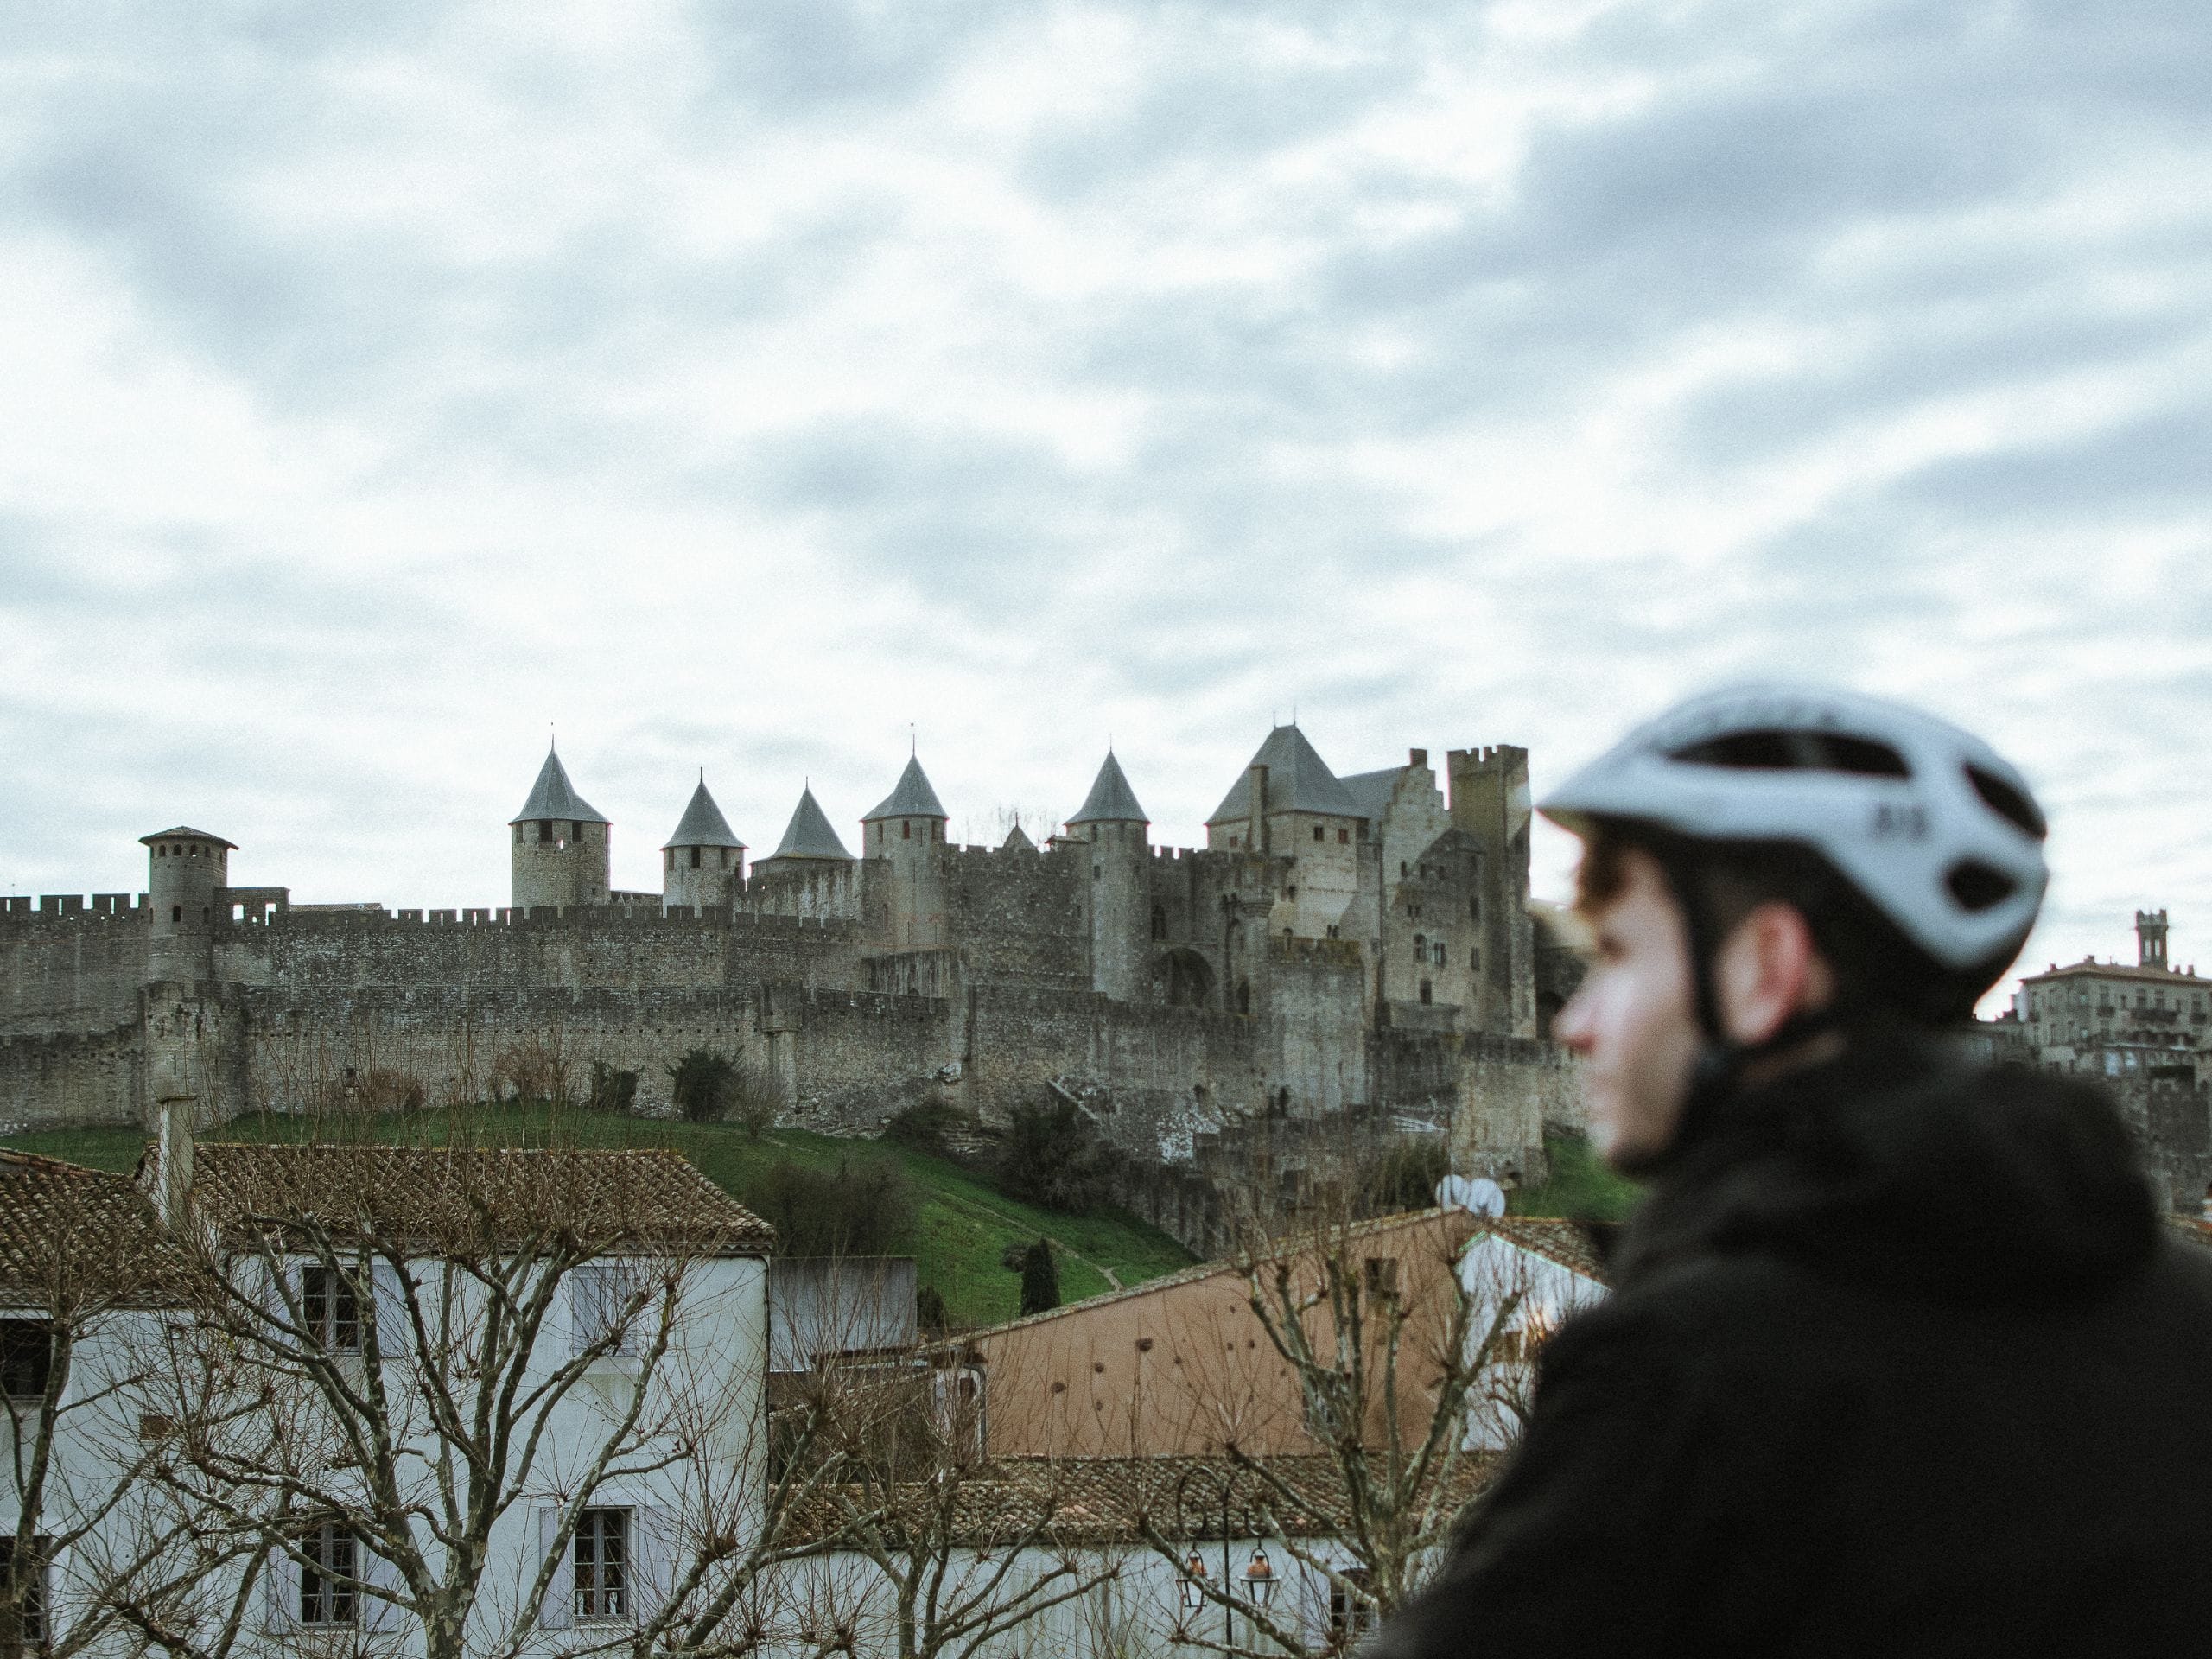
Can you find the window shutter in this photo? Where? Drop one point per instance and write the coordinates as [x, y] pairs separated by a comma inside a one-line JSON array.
[[557, 1612], [653, 1555], [280, 1584], [394, 1333]]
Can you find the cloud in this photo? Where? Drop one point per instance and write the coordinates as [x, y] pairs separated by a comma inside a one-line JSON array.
[[737, 386]]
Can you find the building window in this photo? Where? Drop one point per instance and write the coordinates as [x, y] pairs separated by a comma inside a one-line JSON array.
[[1382, 1278], [1402, 869], [31, 1628], [1352, 1615], [695, 858], [1421, 947], [1439, 953], [1344, 837], [330, 1309], [598, 1297], [176, 912], [26, 1358], [1159, 923], [1319, 833], [327, 1575], [906, 829], [1474, 960], [602, 1561], [1427, 994]]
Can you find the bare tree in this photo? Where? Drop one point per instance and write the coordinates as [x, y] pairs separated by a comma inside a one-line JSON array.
[[89, 1287], [944, 1550], [1370, 1343], [484, 1395]]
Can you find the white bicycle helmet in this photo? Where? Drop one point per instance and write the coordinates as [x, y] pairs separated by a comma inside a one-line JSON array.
[[1927, 822]]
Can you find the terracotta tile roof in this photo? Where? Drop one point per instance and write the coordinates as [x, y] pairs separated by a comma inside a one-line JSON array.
[[1568, 1242], [70, 1234], [2193, 1228], [615, 1198], [1098, 1500], [1289, 1244]]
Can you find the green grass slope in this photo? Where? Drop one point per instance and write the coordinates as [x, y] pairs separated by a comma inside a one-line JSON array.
[[962, 1228], [1581, 1185]]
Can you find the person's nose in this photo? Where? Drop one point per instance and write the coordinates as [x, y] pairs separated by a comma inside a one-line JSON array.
[[1573, 1027]]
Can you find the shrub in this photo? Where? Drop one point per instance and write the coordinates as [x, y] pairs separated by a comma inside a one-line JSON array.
[[381, 1090], [1406, 1177], [1041, 1279], [921, 1126], [612, 1090], [860, 1208], [1051, 1156], [704, 1084], [929, 1310]]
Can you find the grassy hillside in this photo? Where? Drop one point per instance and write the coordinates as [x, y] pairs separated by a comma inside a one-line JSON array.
[[1580, 1186], [962, 1228]]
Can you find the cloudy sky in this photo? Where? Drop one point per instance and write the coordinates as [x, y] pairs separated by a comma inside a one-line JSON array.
[[741, 385]]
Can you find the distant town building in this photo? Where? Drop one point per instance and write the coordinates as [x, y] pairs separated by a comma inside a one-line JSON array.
[[2117, 1019]]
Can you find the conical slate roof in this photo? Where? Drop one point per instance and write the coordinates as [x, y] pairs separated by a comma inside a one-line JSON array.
[[552, 796], [1111, 800], [1299, 780], [703, 824], [1017, 841], [808, 835], [914, 798]]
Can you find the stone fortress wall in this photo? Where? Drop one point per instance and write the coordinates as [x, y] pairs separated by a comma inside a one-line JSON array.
[[1362, 956]]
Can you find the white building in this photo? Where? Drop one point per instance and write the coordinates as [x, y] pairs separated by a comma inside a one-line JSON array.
[[346, 1376], [1548, 1269]]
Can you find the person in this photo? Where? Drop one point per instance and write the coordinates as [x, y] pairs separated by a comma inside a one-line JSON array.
[[1899, 1359]]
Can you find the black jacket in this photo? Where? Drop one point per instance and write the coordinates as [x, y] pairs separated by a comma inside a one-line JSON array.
[[1899, 1361]]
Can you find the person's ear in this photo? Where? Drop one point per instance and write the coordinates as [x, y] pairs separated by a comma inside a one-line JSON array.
[[1769, 968]]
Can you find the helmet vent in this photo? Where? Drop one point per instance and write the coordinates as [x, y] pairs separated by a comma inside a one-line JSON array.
[[2006, 801], [1977, 885], [1797, 751]]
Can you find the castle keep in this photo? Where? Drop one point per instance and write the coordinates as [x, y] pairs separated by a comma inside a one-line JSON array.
[[1354, 944]]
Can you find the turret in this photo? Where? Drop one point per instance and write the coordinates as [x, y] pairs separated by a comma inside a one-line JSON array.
[[1118, 893], [906, 831], [1490, 801], [2150, 939], [704, 862], [185, 871], [561, 844]]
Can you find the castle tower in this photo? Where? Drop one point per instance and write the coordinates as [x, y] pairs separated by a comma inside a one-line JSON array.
[[2150, 939], [1120, 889], [561, 844], [186, 873], [1490, 800], [906, 831], [704, 862]]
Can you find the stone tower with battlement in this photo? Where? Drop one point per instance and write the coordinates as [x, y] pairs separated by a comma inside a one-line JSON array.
[[1118, 892], [1490, 803], [904, 837], [560, 845], [2150, 939], [187, 872]]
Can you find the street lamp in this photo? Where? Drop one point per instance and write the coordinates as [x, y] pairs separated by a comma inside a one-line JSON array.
[[1260, 1580], [1193, 1584]]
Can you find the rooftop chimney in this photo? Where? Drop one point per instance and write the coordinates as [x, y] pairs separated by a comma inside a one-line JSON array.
[[173, 1159]]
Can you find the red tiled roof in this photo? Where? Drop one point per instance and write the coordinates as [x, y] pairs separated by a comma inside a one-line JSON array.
[[1567, 1242], [72, 1236], [1098, 1500], [632, 1198]]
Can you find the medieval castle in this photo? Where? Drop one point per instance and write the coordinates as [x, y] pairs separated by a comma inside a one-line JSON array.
[[1353, 947]]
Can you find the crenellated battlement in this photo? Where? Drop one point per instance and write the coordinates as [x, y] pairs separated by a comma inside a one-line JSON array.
[[49, 908], [611, 918]]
